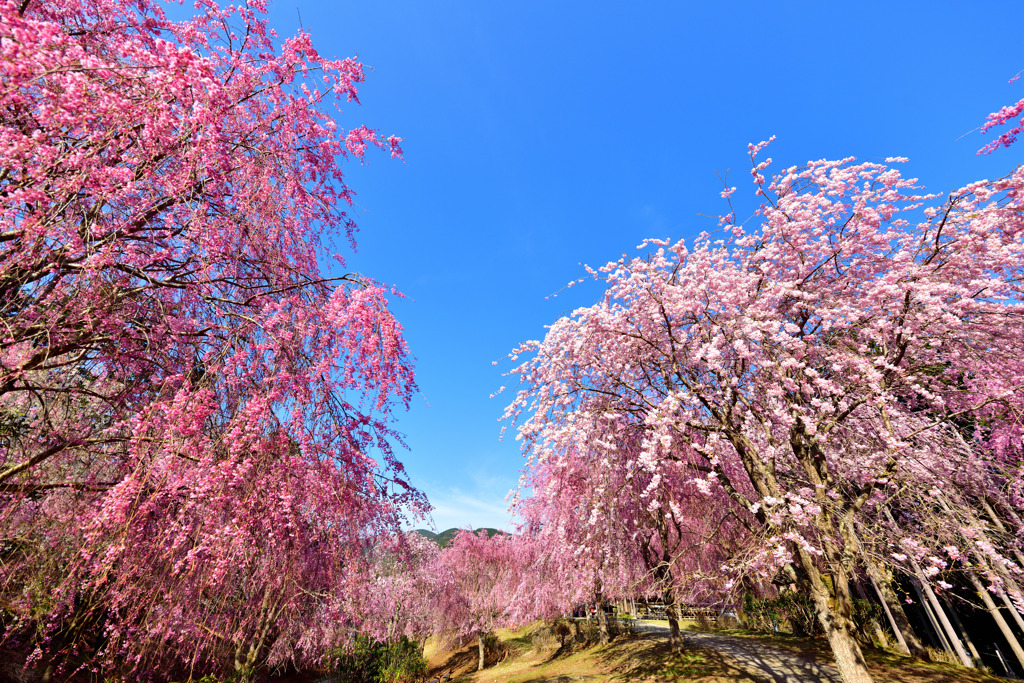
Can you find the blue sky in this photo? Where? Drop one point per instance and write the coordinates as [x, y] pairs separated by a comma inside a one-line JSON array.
[[543, 135]]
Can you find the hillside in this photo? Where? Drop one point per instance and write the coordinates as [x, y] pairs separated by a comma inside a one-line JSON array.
[[444, 539]]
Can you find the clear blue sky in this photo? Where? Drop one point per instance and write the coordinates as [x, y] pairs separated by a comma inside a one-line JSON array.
[[539, 135]]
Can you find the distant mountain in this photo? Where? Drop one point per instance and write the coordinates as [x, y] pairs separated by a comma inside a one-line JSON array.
[[444, 539]]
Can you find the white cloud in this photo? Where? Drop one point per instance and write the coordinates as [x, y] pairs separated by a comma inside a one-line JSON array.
[[454, 508]]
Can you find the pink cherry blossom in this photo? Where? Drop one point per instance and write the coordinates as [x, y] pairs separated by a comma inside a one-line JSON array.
[[198, 417], [809, 372]]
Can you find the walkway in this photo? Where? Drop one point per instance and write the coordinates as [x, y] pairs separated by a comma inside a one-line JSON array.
[[759, 660]]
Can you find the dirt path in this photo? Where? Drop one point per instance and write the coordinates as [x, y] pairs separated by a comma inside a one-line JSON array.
[[762, 662]]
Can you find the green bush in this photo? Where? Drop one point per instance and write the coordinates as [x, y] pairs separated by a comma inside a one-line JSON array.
[[789, 612], [864, 611], [794, 613], [371, 661], [402, 661]]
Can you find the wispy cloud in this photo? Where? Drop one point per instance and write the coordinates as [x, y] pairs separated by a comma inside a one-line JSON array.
[[455, 508]]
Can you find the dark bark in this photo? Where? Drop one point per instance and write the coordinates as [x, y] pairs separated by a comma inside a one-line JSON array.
[[675, 637], [602, 621]]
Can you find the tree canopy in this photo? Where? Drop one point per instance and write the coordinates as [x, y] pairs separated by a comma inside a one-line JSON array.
[[196, 408], [825, 373]]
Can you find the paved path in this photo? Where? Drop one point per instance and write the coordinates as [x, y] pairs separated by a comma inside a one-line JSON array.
[[759, 660]]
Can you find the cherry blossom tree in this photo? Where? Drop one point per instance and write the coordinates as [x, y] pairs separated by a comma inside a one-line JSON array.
[[477, 579], [399, 598], [814, 368], [195, 413], [573, 515], [617, 530]]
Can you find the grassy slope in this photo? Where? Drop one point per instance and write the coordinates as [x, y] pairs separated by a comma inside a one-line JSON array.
[[647, 658]]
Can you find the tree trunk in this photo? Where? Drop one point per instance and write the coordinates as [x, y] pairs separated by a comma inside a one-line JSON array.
[[1008, 582], [963, 632], [1002, 528], [937, 635], [602, 624], [894, 610], [1013, 609], [842, 638], [245, 672], [1007, 579], [993, 609], [940, 614], [892, 620], [675, 637], [602, 618], [837, 623], [480, 645]]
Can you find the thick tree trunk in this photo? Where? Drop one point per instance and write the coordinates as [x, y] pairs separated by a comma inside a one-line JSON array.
[[675, 636], [480, 645], [245, 672], [663, 573], [993, 609], [894, 610], [837, 622], [842, 638], [602, 618]]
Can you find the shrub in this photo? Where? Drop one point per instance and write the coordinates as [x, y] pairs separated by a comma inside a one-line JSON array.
[[791, 612], [864, 611], [371, 661]]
